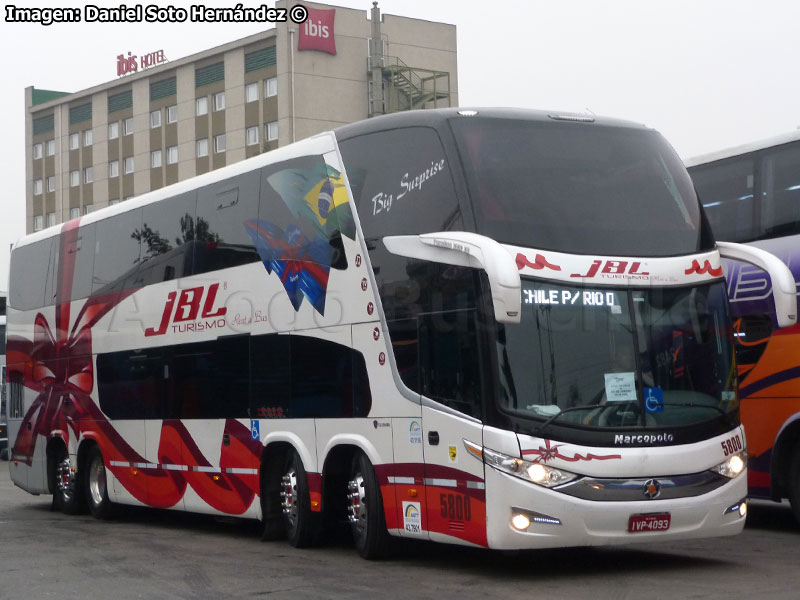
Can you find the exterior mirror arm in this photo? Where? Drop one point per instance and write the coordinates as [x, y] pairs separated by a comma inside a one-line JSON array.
[[469, 250], [784, 290]]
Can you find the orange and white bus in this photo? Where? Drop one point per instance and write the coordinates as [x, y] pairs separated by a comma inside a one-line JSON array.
[[499, 328], [751, 194]]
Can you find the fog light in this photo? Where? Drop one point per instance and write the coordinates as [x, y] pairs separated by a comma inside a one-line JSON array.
[[520, 522], [743, 509]]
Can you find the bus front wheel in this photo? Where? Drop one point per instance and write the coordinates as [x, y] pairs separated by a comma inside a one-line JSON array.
[[365, 510]]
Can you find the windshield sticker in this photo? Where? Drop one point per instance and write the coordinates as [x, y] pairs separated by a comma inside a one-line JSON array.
[[620, 387], [653, 400]]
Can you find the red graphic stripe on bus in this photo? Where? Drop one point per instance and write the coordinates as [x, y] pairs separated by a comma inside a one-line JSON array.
[[540, 262], [550, 452], [706, 268], [59, 366]]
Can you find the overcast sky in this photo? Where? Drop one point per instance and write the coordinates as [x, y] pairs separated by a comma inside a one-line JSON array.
[[708, 74]]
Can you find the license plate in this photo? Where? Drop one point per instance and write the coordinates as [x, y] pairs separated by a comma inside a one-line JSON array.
[[651, 522]]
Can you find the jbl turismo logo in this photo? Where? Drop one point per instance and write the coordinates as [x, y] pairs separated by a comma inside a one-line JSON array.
[[316, 33]]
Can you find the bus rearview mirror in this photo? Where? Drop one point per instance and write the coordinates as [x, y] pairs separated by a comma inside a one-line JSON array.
[[784, 291], [465, 249]]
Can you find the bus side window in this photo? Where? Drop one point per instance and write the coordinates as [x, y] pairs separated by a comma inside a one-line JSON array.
[[222, 210], [726, 192], [751, 334], [167, 238], [80, 249], [780, 198], [117, 252], [27, 284]]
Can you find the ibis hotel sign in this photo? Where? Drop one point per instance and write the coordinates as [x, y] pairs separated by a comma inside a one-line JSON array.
[[133, 63], [316, 33]]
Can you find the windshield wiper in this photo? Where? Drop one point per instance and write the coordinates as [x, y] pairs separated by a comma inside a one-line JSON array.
[[727, 415], [538, 430]]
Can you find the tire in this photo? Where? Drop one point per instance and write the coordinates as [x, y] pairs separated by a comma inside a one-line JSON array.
[[365, 510], [96, 485], [300, 523], [793, 483], [65, 483], [273, 526]]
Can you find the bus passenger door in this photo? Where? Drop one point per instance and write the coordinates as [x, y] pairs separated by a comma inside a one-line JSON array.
[[450, 374]]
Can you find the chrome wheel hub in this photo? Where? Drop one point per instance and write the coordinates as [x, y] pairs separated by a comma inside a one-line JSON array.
[[65, 477], [97, 481], [289, 497], [356, 506]]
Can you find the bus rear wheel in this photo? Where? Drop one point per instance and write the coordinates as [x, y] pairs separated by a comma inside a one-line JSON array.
[[365, 510], [96, 491], [300, 522], [794, 483], [65, 483]]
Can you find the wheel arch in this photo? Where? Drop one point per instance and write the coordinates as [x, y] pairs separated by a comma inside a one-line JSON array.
[[787, 442]]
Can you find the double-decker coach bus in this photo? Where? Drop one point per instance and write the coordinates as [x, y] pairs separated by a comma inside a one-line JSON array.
[[499, 328], [751, 194]]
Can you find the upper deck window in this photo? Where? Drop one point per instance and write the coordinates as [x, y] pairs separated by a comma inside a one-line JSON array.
[[579, 188]]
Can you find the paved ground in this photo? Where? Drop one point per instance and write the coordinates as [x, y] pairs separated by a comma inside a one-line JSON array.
[[161, 554]]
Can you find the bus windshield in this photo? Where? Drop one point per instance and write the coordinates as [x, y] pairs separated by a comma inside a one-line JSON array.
[[618, 358], [579, 188]]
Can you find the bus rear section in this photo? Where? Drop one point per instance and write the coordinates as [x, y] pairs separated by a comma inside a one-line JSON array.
[[497, 328]]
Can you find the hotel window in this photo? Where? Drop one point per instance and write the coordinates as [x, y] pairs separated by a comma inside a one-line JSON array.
[[251, 92], [127, 126], [38, 222], [155, 159], [113, 130], [51, 147], [272, 131], [172, 155], [172, 114], [51, 219], [37, 187], [219, 101], [51, 183], [37, 151], [89, 208], [128, 163], [219, 143], [252, 135], [113, 202], [88, 175], [271, 87], [201, 106], [155, 119], [74, 212], [74, 141], [202, 147], [113, 169], [74, 178], [87, 138]]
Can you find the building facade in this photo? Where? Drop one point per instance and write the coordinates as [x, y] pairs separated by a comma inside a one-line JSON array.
[[163, 124]]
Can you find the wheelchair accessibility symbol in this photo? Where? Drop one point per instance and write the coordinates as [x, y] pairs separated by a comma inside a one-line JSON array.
[[255, 431], [653, 400]]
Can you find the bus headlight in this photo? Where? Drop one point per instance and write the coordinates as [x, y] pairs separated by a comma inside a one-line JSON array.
[[732, 466], [538, 473]]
